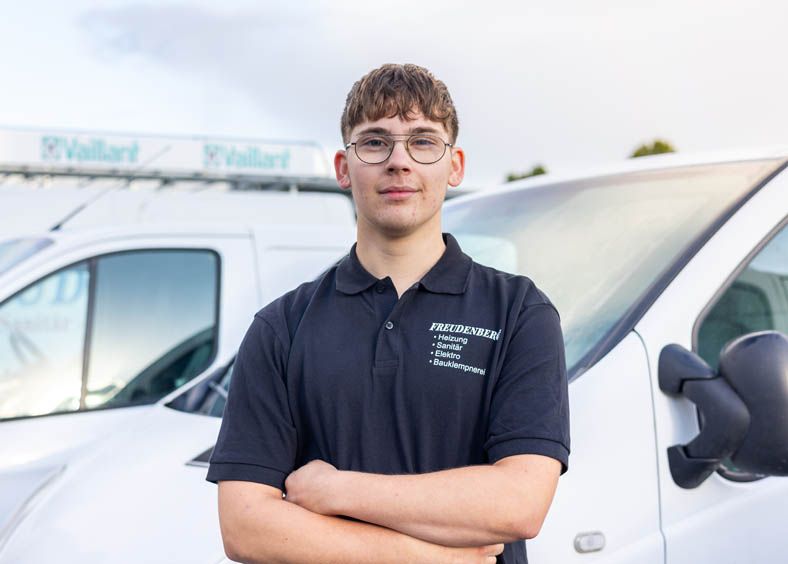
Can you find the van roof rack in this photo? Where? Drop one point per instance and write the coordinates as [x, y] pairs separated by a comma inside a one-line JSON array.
[[39, 157]]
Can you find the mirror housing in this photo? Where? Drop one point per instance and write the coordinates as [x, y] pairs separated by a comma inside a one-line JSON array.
[[743, 410], [756, 366]]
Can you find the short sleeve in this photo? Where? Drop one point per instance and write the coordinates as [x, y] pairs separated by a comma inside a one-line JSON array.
[[257, 440], [529, 412]]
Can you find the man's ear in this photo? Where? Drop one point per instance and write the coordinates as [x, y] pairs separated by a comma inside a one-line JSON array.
[[457, 166], [341, 169]]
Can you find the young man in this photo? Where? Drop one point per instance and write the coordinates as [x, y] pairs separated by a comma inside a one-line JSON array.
[[411, 403]]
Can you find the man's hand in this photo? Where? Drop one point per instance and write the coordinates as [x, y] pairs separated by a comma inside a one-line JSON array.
[[310, 487], [481, 555]]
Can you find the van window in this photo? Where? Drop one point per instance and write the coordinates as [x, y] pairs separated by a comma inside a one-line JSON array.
[[757, 300], [42, 342], [153, 324], [144, 322]]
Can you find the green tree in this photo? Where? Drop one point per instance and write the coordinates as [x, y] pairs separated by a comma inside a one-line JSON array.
[[536, 170], [658, 146]]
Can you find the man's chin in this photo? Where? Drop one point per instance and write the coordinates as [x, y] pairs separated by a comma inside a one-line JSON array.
[[403, 224], [397, 231]]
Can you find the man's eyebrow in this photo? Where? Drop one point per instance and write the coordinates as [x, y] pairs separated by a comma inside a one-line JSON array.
[[381, 130], [384, 131], [423, 129]]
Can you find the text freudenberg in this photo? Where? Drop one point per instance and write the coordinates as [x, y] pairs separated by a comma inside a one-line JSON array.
[[466, 330]]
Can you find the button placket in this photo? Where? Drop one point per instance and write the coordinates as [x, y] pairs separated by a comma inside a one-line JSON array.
[[387, 350]]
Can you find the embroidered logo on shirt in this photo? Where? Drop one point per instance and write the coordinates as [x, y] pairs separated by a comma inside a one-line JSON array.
[[449, 340]]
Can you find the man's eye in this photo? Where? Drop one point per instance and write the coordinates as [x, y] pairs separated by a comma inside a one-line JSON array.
[[423, 141], [374, 142]]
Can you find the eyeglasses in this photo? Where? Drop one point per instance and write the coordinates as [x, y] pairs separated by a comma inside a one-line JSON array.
[[377, 148]]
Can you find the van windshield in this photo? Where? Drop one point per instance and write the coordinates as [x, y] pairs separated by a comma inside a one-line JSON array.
[[598, 246], [14, 251]]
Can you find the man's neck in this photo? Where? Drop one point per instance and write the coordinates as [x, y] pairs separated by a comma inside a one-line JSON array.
[[404, 259]]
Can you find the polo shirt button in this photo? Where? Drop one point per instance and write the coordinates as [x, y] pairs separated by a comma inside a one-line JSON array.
[[389, 325], [380, 288]]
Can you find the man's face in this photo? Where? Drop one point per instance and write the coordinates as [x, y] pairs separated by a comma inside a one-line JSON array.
[[399, 196]]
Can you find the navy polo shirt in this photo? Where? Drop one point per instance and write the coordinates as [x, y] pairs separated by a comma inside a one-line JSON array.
[[466, 367]]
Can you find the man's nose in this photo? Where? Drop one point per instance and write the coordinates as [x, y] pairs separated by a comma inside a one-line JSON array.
[[399, 159]]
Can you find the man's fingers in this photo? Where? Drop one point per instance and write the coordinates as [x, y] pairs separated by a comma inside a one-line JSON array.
[[490, 553], [479, 554], [492, 550]]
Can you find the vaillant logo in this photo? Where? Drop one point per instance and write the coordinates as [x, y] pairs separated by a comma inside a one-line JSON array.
[[216, 155], [56, 148]]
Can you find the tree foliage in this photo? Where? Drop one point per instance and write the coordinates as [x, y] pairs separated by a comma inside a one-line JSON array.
[[657, 147], [536, 170]]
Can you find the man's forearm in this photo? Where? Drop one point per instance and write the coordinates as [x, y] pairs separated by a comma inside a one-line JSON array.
[[276, 531], [458, 507]]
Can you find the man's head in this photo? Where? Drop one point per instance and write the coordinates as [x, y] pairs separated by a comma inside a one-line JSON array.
[[398, 178]]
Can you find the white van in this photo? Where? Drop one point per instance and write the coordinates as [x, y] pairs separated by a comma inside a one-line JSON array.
[[671, 278]]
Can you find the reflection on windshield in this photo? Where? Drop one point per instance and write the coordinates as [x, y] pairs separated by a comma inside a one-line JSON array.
[[14, 251], [596, 246]]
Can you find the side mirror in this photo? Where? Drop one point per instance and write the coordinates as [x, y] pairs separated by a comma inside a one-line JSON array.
[[756, 365], [743, 410]]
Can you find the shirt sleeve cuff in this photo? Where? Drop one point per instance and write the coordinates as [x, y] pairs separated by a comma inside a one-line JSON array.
[[218, 471], [545, 447]]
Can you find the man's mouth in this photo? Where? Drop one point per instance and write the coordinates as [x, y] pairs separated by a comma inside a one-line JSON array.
[[398, 190]]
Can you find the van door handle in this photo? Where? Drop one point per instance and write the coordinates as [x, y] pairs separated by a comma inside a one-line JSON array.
[[593, 541]]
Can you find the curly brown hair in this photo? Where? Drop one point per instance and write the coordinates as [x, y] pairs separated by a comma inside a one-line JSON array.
[[402, 91]]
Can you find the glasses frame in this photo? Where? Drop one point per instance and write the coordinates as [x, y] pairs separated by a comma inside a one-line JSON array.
[[407, 137]]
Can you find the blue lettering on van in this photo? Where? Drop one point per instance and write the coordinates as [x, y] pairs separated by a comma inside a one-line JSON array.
[[59, 149], [249, 157], [63, 288]]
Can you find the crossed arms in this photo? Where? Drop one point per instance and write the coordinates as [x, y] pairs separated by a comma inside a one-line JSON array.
[[456, 515]]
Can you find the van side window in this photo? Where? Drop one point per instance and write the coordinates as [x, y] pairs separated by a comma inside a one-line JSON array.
[[42, 342], [116, 330], [154, 324], [756, 301]]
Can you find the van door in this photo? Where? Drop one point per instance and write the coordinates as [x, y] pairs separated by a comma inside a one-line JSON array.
[[736, 284], [606, 508], [120, 323]]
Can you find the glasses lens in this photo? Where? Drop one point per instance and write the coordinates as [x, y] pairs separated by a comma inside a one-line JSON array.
[[373, 149], [426, 149]]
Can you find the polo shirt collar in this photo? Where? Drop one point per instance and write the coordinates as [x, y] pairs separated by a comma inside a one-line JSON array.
[[448, 276], [353, 278]]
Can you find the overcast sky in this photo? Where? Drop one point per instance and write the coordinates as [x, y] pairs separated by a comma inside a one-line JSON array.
[[564, 83]]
